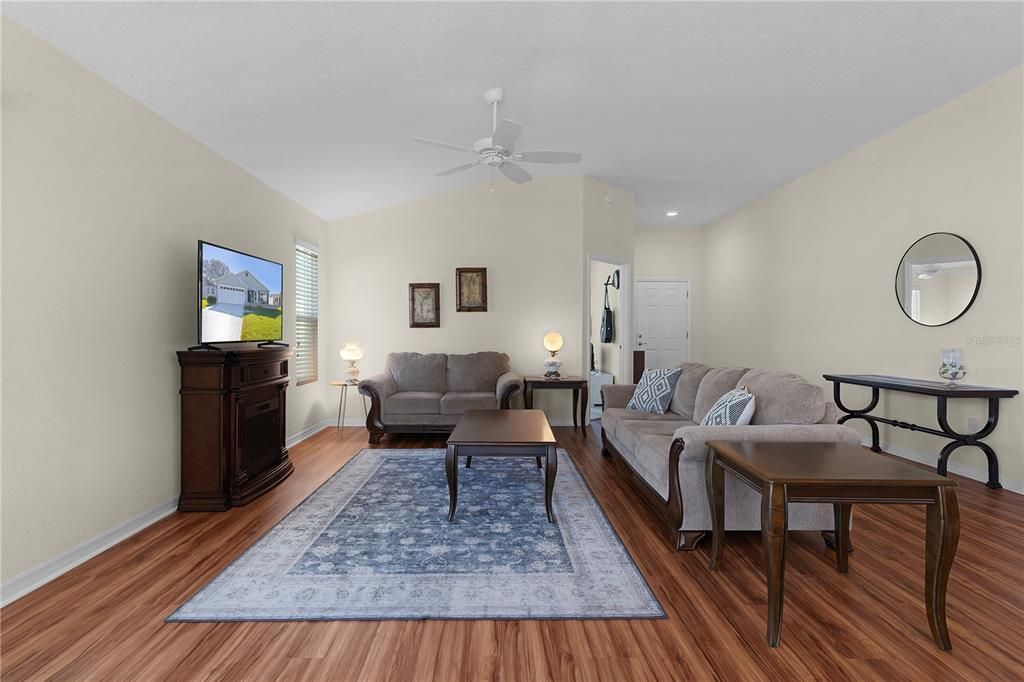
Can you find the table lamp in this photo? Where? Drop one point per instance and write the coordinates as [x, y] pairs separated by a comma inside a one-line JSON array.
[[553, 343], [352, 354]]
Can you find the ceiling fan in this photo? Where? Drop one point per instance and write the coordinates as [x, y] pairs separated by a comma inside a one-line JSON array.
[[499, 150]]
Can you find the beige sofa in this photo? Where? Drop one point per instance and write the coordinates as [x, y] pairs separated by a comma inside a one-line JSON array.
[[427, 393], [665, 454]]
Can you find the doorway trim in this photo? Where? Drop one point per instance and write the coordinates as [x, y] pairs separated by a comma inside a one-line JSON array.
[[689, 310], [625, 321]]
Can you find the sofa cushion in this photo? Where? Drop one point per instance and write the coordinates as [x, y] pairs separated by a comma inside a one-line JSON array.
[[654, 391], [476, 372], [413, 402], [418, 371], [613, 416], [456, 402], [630, 432], [716, 383], [686, 388], [784, 397], [651, 461]]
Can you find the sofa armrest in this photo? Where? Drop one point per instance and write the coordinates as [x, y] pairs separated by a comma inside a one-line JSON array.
[[509, 384], [617, 395], [695, 438], [379, 386]]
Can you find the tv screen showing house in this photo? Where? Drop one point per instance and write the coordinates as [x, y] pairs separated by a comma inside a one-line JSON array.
[[239, 296]]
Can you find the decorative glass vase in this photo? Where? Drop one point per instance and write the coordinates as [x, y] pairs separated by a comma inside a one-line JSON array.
[[952, 368]]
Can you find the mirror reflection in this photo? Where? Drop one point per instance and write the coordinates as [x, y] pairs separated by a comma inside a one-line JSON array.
[[938, 279]]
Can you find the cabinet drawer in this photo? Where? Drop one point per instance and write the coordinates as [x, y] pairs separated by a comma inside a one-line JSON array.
[[264, 371]]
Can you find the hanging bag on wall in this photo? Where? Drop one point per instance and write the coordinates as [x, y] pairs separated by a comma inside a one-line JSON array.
[[607, 320]]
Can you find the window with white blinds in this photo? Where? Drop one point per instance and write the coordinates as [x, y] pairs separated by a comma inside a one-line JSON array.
[[307, 312]]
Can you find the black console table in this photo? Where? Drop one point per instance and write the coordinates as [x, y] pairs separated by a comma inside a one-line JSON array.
[[942, 392]]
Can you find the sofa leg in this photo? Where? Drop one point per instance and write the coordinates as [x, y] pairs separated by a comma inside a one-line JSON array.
[[687, 540], [375, 437], [604, 446]]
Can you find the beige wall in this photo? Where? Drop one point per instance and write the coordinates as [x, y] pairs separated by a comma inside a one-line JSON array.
[[529, 237], [606, 355], [103, 204], [675, 253], [806, 273]]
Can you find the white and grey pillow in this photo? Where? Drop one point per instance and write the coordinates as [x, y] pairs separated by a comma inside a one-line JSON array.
[[654, 392], [735, 408]]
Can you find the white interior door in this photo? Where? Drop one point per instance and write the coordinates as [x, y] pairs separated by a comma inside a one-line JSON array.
[[663, 322]]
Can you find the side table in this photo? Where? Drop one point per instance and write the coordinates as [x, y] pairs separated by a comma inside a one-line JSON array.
[[577, 384], [343, 399]]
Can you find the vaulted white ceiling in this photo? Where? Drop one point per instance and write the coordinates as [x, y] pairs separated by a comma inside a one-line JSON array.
[[698, 107]]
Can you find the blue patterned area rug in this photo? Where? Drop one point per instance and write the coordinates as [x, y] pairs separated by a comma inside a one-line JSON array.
[[374, 543]]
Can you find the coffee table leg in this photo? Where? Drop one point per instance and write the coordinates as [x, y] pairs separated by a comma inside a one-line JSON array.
[[540, 464], [841, 512], [469, 461], [451, 468], [773, 536], [716, 502], [941, 537], [550, 469]]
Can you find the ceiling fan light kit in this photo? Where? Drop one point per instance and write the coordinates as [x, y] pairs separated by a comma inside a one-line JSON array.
[[498, 150]]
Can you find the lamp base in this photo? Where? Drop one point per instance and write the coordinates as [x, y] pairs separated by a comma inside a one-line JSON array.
[[352, 374], [551, 366]]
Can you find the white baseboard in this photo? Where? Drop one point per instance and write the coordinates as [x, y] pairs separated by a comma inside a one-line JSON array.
[[309, 431], [36, 577], [973, 473]]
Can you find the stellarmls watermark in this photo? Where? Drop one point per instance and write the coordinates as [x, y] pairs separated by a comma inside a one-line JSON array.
[[990, 341]]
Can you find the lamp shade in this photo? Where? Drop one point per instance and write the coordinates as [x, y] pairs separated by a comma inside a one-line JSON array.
[[553, 341], [351, 352]]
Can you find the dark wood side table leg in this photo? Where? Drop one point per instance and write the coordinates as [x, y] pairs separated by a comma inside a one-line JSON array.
[[842, 511], [585, 408], [942, 534], [575, 406], [451, 468], [715, 476], [528, 396], [773, 536], [550, 469]]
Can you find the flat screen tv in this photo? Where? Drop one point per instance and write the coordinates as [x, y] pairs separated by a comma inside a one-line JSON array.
[[239, 296]]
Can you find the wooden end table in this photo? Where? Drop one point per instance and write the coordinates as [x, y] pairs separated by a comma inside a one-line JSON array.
[[343, 398], [843, 475], [501, 433], [577, 384]]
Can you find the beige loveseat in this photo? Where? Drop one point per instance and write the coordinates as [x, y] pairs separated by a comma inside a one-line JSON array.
[[666, 454], [427, 393]]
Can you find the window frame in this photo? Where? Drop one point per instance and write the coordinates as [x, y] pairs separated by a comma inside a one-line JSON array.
[[307, 296]]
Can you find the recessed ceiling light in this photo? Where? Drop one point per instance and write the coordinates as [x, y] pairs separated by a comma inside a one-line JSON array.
[[671, 214]]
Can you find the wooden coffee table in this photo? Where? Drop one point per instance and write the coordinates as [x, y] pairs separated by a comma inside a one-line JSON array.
[[841, 474], [501, 433]]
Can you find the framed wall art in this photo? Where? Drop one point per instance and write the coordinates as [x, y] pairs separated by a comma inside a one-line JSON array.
[[471, 290], [425, 304]]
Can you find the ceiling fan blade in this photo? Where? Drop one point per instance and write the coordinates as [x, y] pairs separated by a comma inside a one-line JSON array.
[[443, 144], [459, 169], [514, 173], [506, 134], [549, 157]]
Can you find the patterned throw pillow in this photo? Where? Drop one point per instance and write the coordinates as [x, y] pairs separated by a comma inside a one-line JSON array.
[[735, 408], [654, 392]]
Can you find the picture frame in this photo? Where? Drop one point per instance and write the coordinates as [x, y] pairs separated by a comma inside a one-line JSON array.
[[471, 290], [424, 305]]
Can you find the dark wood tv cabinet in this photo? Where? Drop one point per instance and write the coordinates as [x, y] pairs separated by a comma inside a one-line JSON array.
[[232, 426]]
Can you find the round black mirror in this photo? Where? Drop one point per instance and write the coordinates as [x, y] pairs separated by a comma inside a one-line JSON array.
[[938, 279]]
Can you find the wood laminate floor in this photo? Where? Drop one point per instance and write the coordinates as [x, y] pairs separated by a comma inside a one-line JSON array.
[[104, 620]]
